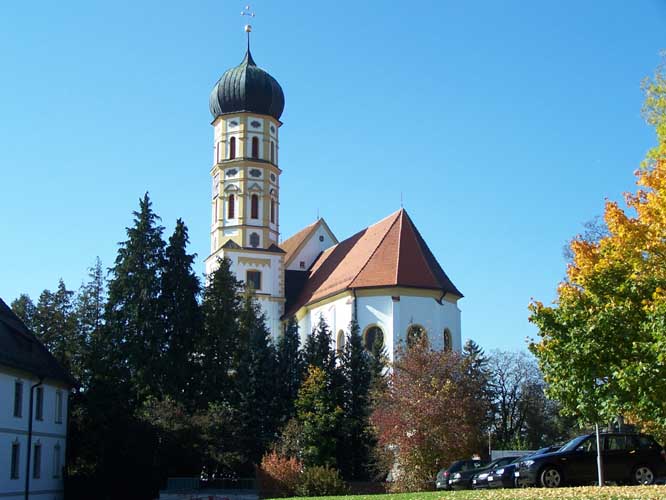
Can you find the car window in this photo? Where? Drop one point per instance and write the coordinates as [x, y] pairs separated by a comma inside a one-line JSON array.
[[471, 465], [573, 444], [589, 445], [646, 443], [616, 443]]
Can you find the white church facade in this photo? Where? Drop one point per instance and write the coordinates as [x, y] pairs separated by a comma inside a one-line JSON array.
[[384, 276]]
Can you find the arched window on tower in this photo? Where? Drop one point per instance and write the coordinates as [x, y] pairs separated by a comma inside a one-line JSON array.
[[272, 152], [232, 148], [373, 338], [231, 207], [254, 207], [272, 211], [416, 334], [447, 339], [255, 147]]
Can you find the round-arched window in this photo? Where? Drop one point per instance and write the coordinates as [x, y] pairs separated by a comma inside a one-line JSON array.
[[374, 336], [414, 334], [447, 340], [341, 341]]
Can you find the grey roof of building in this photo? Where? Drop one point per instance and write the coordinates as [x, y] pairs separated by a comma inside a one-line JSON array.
[[22, 350], [247, 88]]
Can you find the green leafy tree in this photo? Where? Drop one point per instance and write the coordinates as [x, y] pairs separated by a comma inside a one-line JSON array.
[[133, 313], [320, 417], [182, 317], [602, 342]]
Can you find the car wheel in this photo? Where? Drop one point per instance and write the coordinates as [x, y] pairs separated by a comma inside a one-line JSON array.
[[643, 475], [550, 477]]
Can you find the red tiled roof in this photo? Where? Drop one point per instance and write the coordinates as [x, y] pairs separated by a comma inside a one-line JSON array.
[[388, 253], [290, 245]]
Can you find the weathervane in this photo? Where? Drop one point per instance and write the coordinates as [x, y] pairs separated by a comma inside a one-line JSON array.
[[248, 27]]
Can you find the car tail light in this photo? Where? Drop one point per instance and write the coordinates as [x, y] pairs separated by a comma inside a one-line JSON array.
[[446, 473]]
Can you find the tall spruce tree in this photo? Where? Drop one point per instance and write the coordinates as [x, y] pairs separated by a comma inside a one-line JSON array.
[[318, 350], [217, 346], [289, 370], [182, 316], [255, 380], [89, 307], [56, 325], [356, 367], [134, 318]]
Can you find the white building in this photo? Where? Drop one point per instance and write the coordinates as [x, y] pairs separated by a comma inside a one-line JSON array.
[[385, 276], [24, 364]]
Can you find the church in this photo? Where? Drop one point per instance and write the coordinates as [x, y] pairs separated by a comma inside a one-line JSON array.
[[384, 276]]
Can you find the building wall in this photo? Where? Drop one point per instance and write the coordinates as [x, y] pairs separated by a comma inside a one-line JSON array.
[[46, 432], [316, 244], [271, 265], [393, 310]]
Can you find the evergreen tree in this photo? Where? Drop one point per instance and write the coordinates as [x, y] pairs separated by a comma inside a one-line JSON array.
[[289, 370], [356, 368], [89, 309], [255, 380], [475, 363], [318, 349], [133, 312], [320, 417], [217, 346], [56, 325], [25, 309], [182, 316]]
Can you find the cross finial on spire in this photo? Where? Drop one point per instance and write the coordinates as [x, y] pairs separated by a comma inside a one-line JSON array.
[[248, 27]]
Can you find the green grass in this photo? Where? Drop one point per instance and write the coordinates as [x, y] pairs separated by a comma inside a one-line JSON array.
[[583, 493]]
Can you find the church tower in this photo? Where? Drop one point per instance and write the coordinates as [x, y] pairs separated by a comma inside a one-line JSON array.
[[246, 104]]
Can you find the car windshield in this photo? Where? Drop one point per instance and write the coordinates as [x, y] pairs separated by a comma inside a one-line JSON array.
[[573, 444]]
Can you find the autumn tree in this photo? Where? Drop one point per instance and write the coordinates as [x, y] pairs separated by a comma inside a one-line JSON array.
[[602, 345], [430, 414]]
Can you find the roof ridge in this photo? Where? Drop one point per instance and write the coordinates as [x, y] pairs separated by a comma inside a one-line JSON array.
[[420, 243], [388, 230], [397, 263]]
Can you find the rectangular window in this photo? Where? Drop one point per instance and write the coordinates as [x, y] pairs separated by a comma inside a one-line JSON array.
[[58, 407], [39, 410], [253, 280], [18, 399], [37, 462], [56, 461], [14, 471]]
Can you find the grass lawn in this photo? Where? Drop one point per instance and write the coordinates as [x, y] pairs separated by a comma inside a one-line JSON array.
[[583, 493]]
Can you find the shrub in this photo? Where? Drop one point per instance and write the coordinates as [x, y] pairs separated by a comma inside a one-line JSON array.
[[320, 481], [278, 475]]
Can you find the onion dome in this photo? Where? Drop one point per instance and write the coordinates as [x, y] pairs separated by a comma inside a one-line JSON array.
[[247, 88]]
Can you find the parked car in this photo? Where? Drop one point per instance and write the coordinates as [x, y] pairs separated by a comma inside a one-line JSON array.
[[463, 479], [503, 476], [444, 475], [479, 479], [626, 457]]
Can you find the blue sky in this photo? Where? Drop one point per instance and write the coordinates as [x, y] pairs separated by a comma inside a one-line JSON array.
[[503, 124]]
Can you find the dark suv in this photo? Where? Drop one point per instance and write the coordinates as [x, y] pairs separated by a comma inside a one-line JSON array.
[[626, 457], [445, 475]]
